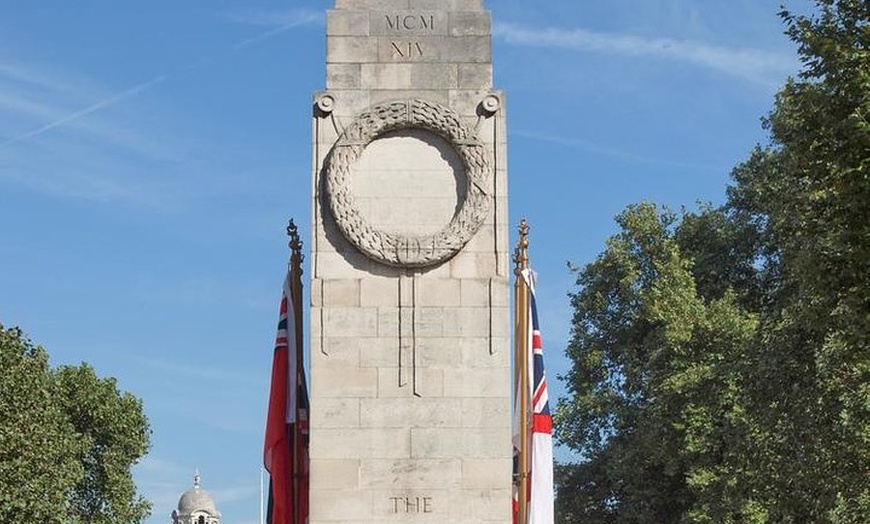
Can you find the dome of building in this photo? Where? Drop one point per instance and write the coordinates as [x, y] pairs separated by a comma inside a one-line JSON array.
[[196, 506]]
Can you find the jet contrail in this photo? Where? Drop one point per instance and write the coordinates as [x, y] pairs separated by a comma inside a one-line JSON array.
[[263, 36], [141, 87], [88, 110]]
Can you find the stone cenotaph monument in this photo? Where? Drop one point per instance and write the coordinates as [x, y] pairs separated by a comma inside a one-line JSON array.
[[410, 326]]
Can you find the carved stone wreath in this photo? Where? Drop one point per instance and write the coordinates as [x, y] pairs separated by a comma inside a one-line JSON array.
[[393, 248]]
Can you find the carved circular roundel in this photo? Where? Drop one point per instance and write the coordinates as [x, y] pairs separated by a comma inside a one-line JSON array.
[[397, 249]]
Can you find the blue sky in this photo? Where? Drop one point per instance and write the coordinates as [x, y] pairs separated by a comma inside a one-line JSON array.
[[151, 154]]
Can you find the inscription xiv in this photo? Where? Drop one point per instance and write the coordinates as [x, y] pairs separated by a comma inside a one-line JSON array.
[[406, 49]]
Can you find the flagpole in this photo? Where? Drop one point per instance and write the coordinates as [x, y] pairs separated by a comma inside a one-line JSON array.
[[295, 270], [262, 509], [521, 368]]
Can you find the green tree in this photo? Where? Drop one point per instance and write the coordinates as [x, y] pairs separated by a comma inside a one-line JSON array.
[[808, 195], [38, 467], [655, 387], [113, 431], [721, 365], [67, 441]]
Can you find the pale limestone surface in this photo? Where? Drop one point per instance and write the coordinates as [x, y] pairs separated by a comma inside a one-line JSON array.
[[422, 199], [410, 367]]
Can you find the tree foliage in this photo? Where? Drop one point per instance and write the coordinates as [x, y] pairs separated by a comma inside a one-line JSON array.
[[37, 448], [721, 370], [656, 383], [67, 441]]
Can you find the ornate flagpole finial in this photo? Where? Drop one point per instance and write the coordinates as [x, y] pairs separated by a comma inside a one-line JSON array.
[[295, 244], [521, 253]]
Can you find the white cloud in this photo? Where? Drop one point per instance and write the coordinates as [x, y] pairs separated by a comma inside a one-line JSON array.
[[20, 103], [235, 493], [80, 113], [287, 18], [199, 292], [765, 67], [68, 136], [278, 21], [160, 481], [34, 101], [37, 77], [195, 371], [155, 465], [618, 154]]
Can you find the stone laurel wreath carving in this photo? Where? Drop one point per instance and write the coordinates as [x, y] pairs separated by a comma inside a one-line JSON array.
[[392, 248]]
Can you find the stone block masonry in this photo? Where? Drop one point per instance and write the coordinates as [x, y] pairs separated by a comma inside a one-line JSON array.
[[410, 328]]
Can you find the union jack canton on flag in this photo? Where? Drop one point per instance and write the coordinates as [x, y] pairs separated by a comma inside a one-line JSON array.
[[541, 500]]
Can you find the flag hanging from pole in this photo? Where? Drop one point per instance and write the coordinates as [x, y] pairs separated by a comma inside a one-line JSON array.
[[539, 424], [519, 426], [541, 503], [285, 450]]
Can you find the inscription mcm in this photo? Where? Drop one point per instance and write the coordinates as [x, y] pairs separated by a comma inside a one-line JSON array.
[[410, 22], [404, 49]]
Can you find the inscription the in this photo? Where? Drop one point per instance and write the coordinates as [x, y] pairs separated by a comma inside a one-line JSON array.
[[406, 49], [410, 22], [411, 504]]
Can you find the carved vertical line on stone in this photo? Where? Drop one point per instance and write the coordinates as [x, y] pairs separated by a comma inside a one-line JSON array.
[[416, 391], [337, 126], [319, 216], [322, 323], [401, 349], [315, 183], [499, 263], [478, 124], [491, 315]]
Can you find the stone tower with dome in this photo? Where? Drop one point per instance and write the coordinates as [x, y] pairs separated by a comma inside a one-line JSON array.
[[196, 506]]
